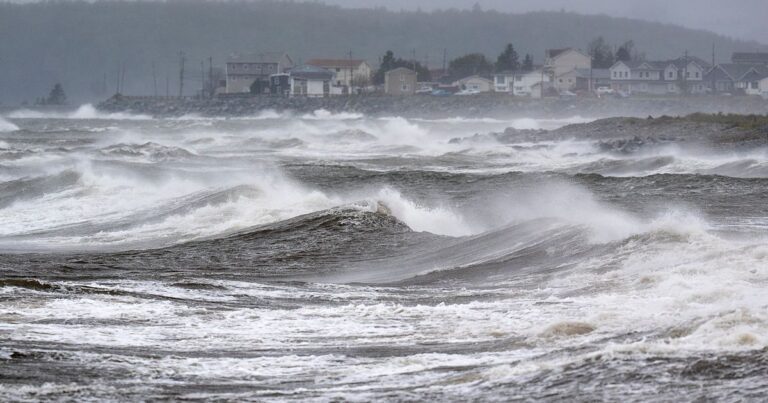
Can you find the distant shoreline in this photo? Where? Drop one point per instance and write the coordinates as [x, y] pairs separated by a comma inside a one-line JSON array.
[[487, 106]]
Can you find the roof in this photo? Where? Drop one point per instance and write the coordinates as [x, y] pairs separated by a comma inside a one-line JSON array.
[[683, 61], [474, 77], [750, 57], [264, 57], [401, 70], [553, 53], [680, 63], [736, 71], [309, 72], [590, 73], [343, 63]]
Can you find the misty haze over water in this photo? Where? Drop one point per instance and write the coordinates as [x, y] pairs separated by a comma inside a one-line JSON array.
[[390, 239]]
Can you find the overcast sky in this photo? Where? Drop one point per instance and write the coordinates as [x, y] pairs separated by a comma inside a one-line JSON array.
[[743, 19]]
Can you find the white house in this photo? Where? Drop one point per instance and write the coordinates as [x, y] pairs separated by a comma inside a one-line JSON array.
[[476, 83], [660, 77], [763, 86], [525, 83], [561, 61], [350, 73], [310, 81]]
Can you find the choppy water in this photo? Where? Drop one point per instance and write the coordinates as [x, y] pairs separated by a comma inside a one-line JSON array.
[[340, 257]]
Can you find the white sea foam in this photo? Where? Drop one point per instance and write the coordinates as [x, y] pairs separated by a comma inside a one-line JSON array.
[[6, 126], [84, 112]]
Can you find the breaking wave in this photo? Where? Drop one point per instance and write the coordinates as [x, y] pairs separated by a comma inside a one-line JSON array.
[[84, 112]]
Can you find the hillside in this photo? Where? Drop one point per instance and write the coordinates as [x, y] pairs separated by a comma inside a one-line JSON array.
[[82, 44]]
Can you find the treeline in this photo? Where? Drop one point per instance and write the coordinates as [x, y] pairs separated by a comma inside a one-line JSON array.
[[92, 47]]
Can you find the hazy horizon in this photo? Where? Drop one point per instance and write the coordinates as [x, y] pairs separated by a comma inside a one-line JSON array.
[[741, 19]]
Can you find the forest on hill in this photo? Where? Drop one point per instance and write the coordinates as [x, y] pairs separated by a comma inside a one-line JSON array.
[[85, 46]]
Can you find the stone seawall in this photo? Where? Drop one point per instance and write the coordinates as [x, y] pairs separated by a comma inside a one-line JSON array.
[[491, 105]]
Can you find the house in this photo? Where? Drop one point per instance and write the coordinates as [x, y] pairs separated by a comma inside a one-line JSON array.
[[244, 69], [350, 73], [750, 58], [310, 81], [684, 74], [476, 83], [518, 83], [730, 77], [561, 61], [583, 80], [763, 86], [400, 81]]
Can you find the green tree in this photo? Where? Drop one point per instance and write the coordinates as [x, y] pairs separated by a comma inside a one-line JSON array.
[[390, 62], [624, 54], [471, 64], [602, 53], [528, 63], [508, 60], [57, 96]]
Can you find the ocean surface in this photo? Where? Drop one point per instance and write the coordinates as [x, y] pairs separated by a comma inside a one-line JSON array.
[[332, 257]]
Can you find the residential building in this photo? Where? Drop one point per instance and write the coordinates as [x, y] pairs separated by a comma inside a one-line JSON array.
[[476, 83], [732, 77], [350, 73], [518, 83], [583, 80], [763, 86], [750, 58], [685, 74], [400, 81], [244, 69], [311, 81], [561, 61]]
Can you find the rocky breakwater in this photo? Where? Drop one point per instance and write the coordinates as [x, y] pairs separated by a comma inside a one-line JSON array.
[[425, 106], [723, 132]]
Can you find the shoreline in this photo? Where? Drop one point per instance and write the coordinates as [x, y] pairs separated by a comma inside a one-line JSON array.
[[486, 106]]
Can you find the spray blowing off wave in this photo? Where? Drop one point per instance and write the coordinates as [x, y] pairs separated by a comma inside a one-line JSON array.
[[84, 112], [6, 126]]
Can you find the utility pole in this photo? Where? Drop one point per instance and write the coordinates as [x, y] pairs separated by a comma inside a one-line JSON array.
[[685, 72], [711, 70], [122, 79], [211, 85], [182, 60], [202, 79], [351, 74], [117, 83], [154, 78], [445, 59], [167, 84]]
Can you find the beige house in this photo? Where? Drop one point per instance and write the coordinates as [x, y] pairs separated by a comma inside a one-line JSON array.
[[476, 83], [351, 73], [561, 61], [244, 69], [400, 81]]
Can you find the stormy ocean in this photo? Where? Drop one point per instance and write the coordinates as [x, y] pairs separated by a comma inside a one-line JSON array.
[[327, 257]]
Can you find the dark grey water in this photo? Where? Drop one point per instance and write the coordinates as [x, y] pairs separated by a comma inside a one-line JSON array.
[[340, 257]]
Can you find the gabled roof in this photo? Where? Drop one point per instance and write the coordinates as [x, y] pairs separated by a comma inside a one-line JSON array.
[[474, 77], [264, 57], [311, 73], [590, 73], [682, 62], [737, 72], [555, 53], [342, 63], [401, 70]]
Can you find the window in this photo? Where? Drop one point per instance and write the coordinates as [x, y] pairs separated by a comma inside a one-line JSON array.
[[405, 87], [670, 74], [338, 69], [697, 74], [687, 74], [245, 67], [501, 79]]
